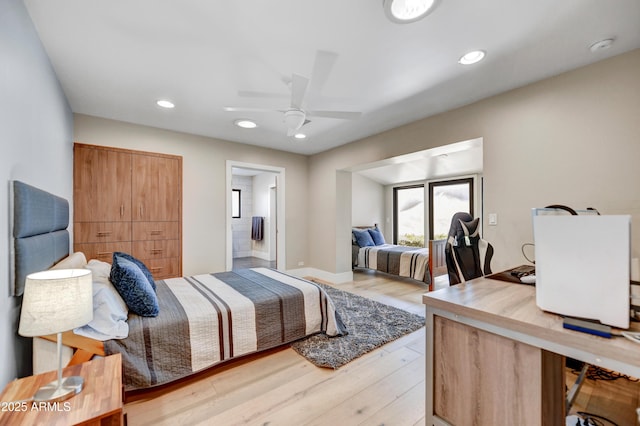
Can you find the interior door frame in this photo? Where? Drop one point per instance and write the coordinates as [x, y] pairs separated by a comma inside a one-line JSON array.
[[281, 263]]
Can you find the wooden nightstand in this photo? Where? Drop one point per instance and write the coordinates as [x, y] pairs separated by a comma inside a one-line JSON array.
[[99, 403]]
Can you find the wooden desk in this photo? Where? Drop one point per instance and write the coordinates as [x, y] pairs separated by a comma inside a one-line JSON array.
[[99, 403], [494, 357]]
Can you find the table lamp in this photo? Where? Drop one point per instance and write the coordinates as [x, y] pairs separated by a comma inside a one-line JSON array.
[[55, 301]]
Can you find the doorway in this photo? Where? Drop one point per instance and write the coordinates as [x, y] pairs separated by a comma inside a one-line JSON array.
[[255, 224]]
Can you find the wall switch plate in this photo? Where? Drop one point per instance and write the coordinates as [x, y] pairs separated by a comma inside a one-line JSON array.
[[493, 219]]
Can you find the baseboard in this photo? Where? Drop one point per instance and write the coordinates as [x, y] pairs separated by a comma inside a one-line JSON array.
[[331, 277]]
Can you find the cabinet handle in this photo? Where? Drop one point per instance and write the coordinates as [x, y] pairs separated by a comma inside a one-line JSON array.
[[156, 251], [104, 233], [156, 269], [141, 211], [104, 253], [121, 210], [156, 232]]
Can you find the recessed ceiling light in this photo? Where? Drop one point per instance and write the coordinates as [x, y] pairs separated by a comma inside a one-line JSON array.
[[405, 11], [300, 136], [472, 57], [601, 45], [245, 124], [165, 103]]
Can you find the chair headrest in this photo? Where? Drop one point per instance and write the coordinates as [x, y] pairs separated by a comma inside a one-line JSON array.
[[455, 227]]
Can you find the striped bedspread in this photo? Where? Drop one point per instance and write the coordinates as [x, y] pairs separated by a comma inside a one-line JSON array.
[[409, 262], [208, 319]]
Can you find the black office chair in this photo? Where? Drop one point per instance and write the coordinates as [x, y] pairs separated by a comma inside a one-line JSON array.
[[468, 256]]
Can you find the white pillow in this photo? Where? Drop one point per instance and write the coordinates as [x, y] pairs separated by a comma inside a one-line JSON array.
[[99, 269], [75, 260], [109, 310]]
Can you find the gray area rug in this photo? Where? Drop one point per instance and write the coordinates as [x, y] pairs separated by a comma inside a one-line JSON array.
[[370, 324]]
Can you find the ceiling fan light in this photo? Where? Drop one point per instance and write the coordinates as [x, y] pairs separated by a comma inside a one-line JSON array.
[[245, 124], [300, 136], [406, 11], [472, 57], [294, 119]]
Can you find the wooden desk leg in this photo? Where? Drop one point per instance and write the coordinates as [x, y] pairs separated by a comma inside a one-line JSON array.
[[553, 388]]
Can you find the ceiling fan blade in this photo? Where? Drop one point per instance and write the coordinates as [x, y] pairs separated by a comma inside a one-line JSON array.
[[298, 90], [266, 95], [322, 67], [243, 109], [343, 115]]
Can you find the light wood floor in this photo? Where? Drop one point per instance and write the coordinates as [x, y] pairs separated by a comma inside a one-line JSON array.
[[615, 400], [384, 387]]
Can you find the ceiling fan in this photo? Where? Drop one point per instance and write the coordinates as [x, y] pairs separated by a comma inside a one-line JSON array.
[[295, 116]]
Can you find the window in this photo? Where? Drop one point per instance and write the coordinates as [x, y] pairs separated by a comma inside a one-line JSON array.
[[445, 199], [235, 204], [408, 218]]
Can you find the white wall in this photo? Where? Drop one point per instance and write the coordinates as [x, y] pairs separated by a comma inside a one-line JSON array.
[[572, 139], [36, 144], [367, 203], [204, 185]]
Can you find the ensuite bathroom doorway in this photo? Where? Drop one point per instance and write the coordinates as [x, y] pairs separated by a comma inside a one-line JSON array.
[[255, 219]]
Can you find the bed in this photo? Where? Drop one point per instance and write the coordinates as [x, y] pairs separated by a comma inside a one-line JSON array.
[[198, 322], [370, 251]]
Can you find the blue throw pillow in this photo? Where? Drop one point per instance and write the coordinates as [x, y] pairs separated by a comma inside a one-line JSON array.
[[363, 238], [134, 287], [141, 265], [376, 235]]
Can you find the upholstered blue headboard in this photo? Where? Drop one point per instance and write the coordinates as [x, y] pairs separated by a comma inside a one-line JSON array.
[[41, 239]]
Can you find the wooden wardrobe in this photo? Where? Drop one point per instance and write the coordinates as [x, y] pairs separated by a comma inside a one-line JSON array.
[[129, 201]]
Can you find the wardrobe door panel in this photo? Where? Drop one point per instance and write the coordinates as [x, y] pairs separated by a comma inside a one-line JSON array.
[[156, 188], [102, 189]]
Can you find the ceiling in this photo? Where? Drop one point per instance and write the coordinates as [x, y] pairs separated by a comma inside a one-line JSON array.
[[457, 159], [115, 59]]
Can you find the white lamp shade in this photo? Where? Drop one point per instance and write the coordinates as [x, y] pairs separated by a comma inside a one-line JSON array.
[[55, 301]]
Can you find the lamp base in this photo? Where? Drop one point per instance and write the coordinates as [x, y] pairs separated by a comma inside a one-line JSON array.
[[55, 392]]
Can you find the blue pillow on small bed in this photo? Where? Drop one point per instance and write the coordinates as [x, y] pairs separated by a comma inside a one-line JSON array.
[[376, 235], [363, 238], [134, 287], [141, 265]]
